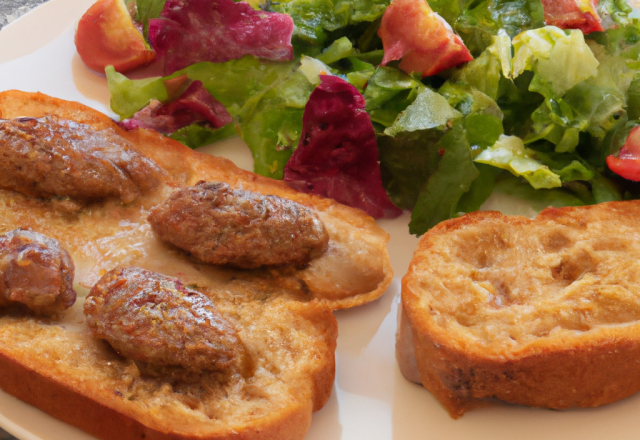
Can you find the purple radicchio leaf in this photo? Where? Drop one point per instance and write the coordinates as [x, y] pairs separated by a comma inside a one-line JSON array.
[[194, 105], [192, 31], [337, 155]]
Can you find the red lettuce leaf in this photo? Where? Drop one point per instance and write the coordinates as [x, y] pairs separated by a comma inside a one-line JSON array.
[[337, 155], [192, 31], [195, 105]]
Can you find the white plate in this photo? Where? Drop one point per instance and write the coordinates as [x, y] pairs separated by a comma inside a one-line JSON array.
[[370, 400]]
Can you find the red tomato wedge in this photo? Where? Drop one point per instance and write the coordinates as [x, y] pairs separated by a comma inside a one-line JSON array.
[[106, 35], [425, 43], [627, 164], [573, 14]]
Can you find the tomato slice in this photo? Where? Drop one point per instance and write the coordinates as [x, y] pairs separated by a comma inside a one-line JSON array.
[[106, 35], [627, 164], [573, 14], [425, 43]]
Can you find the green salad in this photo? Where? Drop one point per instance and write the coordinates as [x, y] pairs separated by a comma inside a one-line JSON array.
[[535, 114]]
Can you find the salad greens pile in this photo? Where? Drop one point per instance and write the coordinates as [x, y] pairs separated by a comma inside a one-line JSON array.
[[535, 114]]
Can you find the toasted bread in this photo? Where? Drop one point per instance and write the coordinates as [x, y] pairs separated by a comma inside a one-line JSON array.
[[283, 315], [539, 312]]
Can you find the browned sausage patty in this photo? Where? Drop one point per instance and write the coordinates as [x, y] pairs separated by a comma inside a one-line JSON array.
[[238, 228], [35, 271], [49, 156], [149, 317]]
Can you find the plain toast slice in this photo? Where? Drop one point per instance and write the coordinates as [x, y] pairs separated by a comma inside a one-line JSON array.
[[541, 312]]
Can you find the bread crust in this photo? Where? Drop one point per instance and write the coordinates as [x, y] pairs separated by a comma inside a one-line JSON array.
[[590, 364], [103, 416], [55, 365]]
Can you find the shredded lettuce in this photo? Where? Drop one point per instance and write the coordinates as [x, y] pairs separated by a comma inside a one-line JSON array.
[[560, 59], [478, 20], [486, 71], [510, 154], [315, 19], [339, 49], [614, 12], [429, 110], [594, 105], [389, 92], [469, 100]]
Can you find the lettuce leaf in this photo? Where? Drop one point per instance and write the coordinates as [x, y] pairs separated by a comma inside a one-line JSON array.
[[346, 60], [602, 100], [389, 92], [315, 19], [510, 154], [339, 49], [129, 96], [594, 105], [560, 59], [360, 73], [517, 104], [194, 135], [416, 175], [614, 13], [595, 150], [452, 178], [406, 161], [485, 72], [480, 190], [146, 10], [468, 100], [232, 83], [429, 110], [483, 131], [568, 166], [271, 121], [476, 21]]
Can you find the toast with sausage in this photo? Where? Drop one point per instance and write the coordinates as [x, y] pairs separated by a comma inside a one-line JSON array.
[[204, 292]]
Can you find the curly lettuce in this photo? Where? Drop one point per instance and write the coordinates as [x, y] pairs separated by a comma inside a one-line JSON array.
[[510, 154]]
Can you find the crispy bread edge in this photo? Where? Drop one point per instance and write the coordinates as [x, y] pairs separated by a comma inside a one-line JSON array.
[[96, 418], [104, 416]]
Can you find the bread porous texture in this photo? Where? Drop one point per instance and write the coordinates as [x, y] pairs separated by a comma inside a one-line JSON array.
[[539, 312]]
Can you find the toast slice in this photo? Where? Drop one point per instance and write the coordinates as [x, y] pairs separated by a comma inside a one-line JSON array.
[[541, 312], [283, 315]]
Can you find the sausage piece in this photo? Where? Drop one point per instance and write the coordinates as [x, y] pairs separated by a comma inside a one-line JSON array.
[[35, 271], [148, 317], [50, 157], [237, 228]]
